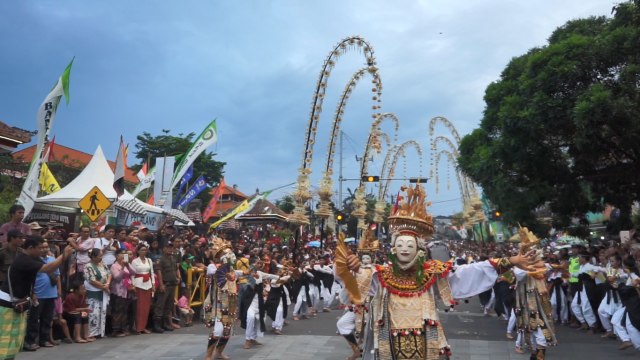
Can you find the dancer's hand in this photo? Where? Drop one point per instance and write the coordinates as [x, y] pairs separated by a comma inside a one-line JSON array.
[[526, 261]]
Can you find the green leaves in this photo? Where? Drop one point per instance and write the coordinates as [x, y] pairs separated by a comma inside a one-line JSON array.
[[561, 127]]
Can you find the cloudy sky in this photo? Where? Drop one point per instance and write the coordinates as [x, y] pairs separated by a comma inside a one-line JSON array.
[[152, 65]]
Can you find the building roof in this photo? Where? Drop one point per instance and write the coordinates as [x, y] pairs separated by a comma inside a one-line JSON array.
[[11, 137], [72, 158], [264, 209], [229, 190]]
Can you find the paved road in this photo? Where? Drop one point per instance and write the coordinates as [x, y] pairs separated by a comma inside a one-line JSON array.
[[472, 337]]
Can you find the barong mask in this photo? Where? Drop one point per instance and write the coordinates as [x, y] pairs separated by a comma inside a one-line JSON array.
[[223, 250]]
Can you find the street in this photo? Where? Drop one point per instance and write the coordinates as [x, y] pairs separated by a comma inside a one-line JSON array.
[[471, 335]]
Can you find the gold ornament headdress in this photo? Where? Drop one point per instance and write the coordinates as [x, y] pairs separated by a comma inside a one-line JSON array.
[[219, 245], [368, 244], [527, 240], [412, 216]]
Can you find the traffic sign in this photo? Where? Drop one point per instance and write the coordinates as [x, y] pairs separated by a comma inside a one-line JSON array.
[[94, 204]]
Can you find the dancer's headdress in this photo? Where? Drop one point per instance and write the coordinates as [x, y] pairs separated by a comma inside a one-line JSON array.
[[411, 216]]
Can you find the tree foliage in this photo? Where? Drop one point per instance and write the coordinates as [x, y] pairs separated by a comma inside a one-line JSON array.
[[561, 125], [286, 204], [150, 147]]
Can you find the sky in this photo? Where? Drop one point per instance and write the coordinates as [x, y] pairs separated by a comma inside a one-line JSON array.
[[144, 66]]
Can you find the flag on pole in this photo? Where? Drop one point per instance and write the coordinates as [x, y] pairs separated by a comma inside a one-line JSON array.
[[48, 155], [243, 206], [44, 122], [213, 204], [146, 181], [253, 201], [48, 182], [197, 187], [121, 165], [142, 174], [207, 138], [185, 179]]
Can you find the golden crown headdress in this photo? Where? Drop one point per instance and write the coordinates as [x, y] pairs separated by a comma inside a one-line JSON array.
[[219, 245], [368, 244], [411, 215], [527, 239]]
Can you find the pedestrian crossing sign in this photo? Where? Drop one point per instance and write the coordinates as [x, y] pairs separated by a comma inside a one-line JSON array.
[[94, 204]]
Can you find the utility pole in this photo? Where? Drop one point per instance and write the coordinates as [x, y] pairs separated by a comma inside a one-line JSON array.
[[340, 175]]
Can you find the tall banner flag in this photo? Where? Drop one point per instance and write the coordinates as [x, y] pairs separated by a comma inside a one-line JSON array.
[[162, 183], [121, 165], [193, 191], [44, 122], [48, 182], [243, 206], [241, 209], [213, 204], [145, 182], [207, 138], [185, 179], [48, 154], [253, 201], [142, 174]]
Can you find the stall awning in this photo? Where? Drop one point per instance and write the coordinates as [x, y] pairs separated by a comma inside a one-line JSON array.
[[178, 215], [131, 206]]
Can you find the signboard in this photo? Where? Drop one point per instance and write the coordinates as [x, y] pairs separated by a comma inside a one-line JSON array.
[[94, 204], [150, 220]]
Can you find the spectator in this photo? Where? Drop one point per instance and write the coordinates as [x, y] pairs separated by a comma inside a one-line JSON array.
[[144, 287], [76, 312], [108, 245], [186, 312], [8, 253], [120, 275], [98, 285], [82, 245], [16, 212], [20, 280], [45, 292], [168, 279], [155, 252]]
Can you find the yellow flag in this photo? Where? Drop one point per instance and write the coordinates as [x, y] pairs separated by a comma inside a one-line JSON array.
[[243, 206], [48, 182]]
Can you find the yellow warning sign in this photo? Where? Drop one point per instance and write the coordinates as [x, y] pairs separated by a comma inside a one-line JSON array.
[[94, 204]]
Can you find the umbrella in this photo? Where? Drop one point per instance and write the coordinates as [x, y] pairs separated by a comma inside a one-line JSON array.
[[350, 239], [313, 244]]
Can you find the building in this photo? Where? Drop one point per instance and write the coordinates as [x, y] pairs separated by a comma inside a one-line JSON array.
[[12, 137], [70, 157]]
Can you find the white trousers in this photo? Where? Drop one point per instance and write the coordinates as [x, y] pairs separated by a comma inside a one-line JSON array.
[[564, 309], [218, 328], [606, 311], [634, 334], [347, 323], [583, 312], [253, 323], [511, 325], [618, 329], [301, 300], [279, 321], [326, 296]]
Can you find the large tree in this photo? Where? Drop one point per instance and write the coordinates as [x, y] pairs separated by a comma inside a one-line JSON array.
[[150, 147], [561, 126]]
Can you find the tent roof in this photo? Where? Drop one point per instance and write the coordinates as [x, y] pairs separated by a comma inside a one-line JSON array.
[[96, 173]]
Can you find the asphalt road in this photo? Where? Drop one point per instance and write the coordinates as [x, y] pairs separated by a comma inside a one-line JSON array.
[[471, 335]]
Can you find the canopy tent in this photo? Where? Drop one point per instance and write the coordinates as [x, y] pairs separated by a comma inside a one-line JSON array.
[[98, 173]]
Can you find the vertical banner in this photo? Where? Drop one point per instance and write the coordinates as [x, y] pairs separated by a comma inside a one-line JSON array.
[[213, 204], [183, 182], [193, 191], [207, 138], [162, 188], [145, 180], [44, 122]]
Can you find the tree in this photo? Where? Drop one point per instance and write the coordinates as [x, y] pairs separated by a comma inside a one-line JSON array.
[[151, 147], [561, 125], [286, 204]]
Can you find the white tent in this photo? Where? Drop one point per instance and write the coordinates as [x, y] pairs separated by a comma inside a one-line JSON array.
[[96, 173]]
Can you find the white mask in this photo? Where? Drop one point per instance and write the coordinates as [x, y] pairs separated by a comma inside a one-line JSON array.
[[406, 249]]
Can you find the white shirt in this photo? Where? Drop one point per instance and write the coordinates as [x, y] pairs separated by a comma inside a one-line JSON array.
[[142, 267]]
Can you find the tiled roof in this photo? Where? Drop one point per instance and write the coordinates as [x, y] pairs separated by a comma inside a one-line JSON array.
[[20, 136], [263, 209], [229, 190], [72, 158]]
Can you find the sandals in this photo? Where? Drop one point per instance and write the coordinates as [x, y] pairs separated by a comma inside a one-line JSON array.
[[80, 341]]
